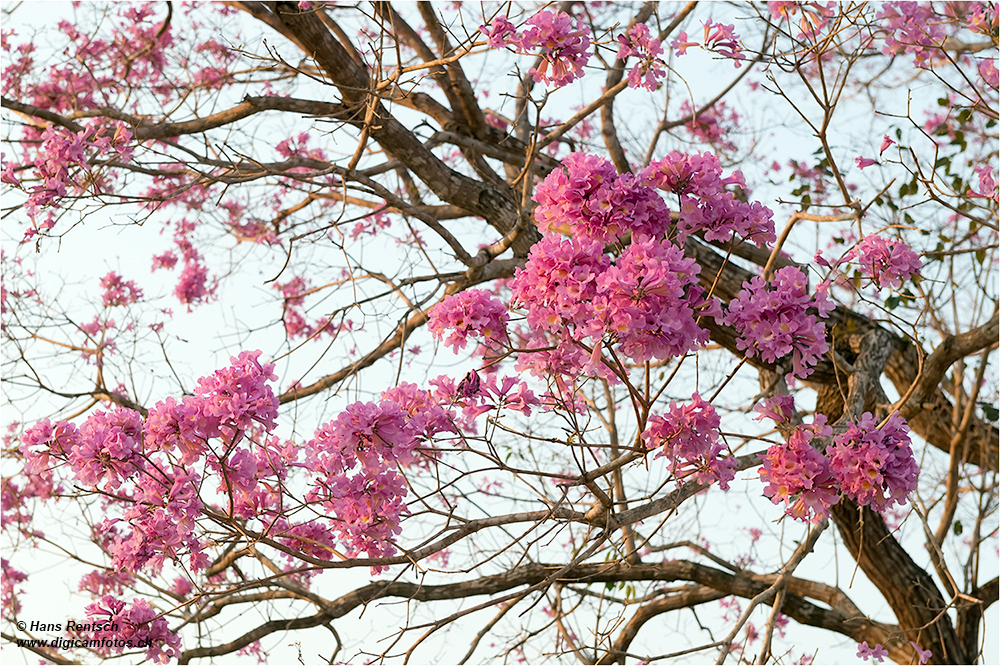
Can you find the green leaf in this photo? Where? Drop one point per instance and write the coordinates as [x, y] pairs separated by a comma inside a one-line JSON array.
[[957, 527], [990, 411], [892, 302]]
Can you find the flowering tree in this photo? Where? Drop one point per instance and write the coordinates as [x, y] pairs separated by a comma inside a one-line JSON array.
[[544, 323]]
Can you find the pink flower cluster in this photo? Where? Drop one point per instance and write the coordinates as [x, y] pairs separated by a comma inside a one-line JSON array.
[[773, 320], [877, 653], [887, 262], [987, 185], [193, 286], [471, 312], [650, 68], [563, 46], [705, 205], [646, 301], [713, 125], [355, 459], [798, 475], [871, 462], [688, 436], [136, 626], [118, 291], [815, 15], [63, 152], [723, 40], [913, 27], [590, 200], [10, 578]]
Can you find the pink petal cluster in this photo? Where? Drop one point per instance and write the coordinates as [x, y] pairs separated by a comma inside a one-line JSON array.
[[118, 291], [773, 320], [779, 408], [713, 125], [194, 286], [650, 68], [798, 475], [877, 653], [472, 312], [705, 204], [688, 436], [913, 27], [355, 458], [500, 33], [589, 199], [864, 162], [560, 45], [722, 39], [873, 465], [132, 627], [10, 578], [559, 281], [987, 184], [647, 302], [109, 446], [887, 262]]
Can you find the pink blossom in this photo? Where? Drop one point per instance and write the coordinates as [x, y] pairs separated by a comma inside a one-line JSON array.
[[922, 655], [779, 409], [799, 475], [499, 32], [688, 436], [713, 125], [649, 70], [722, 39], [11, 578], [773, 320], [989, 73], [705, 204], [589, 199], [118, 291], [471, 312], [864, 162], [139, 624], [987, 185], [873, 465], [563, 48], [888, 263], [912, 27], [886, 142], [681, 44], [877, 653]]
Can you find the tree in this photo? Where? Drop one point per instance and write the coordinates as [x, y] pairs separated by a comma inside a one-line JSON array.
[[360, 191]]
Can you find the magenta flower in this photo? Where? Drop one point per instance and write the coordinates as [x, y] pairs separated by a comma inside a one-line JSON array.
[[987, 185], [888, 263], [499, 32], [688, 436], [649, 70], [563, 48], [864, 162], [140, 624], [886, 142], [681, 44], [779, 409], [875, 466], [471, 312], [773, 320], [877, 653], [118, 291], [799, 475], [721, 39], [922, 655]]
